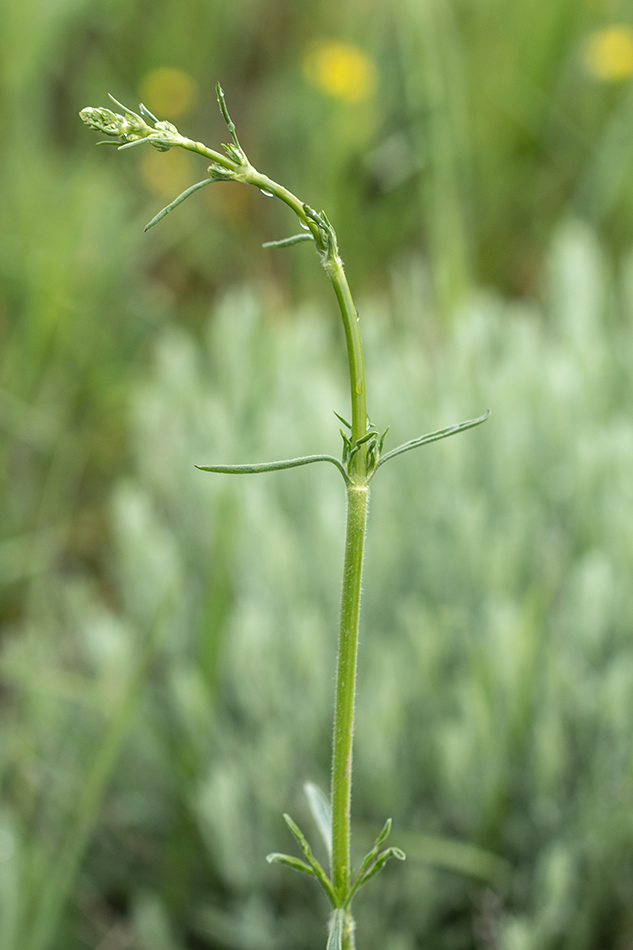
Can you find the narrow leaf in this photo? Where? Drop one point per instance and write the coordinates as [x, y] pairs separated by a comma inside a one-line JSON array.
[[370, 856], [219, 91], [321, 812], [301, 839], [146, 113], [312, 861], [134, 143], [177, 201], [257, 468], [384, 834], [364, 872], [289, 241], [120, 105], [341, 419], [337, 923], [380, 862], [434, 437], [373, 434], [295, 863]]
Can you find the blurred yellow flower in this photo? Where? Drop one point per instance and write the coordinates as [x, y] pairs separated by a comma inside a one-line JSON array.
[[609, 53], [341, 70], [166, 174], [168, 92]]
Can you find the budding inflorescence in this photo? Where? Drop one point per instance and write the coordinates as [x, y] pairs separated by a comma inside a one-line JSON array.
[[131, 128]]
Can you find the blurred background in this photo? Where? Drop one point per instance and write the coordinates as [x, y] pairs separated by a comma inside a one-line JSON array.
[[167, 638]]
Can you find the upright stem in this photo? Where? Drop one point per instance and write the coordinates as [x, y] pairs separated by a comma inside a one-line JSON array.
[[357, 504], [357, 501], [336, 273], [359, 461]]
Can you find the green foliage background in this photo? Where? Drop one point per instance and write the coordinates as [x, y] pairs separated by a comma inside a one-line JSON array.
[[167, 640]]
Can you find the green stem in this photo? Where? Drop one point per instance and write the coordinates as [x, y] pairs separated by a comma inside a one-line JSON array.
[[336, 273], [357, 503], [250, 176], [357, 506]]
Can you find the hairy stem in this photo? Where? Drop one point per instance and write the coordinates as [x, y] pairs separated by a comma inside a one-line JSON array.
[[357, 504], [336, 272], [133, 129], [334, 269]]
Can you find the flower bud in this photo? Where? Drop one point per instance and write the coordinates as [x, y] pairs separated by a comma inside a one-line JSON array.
[[102, 120], [131, 128]]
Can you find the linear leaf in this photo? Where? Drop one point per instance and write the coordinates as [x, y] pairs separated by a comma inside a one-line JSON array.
[[142, 108], [289, 241], [259, 467], [341, 419], [380, 862], [371, 855], [368, 435], [295, 863], [374, 861], [174, 204], [134, 143], [433, 437], [312, 861]]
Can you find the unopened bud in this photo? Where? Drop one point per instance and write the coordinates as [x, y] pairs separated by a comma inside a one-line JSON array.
[[131, 128], [102, 120]]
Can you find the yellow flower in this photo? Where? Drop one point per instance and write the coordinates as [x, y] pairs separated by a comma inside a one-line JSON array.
[[609, 53], [168, 91], [341, 70]]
